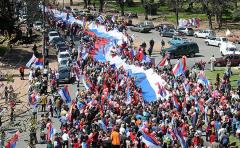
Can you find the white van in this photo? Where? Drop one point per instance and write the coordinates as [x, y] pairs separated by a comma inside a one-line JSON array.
[[228, 48]]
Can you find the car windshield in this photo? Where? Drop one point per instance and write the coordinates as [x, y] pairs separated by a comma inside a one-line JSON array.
[[53, 34], [65, 70], [64, 55], [149, 23], [190, 29], [231, 49], [224, 39], [63, 62], [58, 40]]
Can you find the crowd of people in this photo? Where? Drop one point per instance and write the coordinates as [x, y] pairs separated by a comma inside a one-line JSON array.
[[111, 111]]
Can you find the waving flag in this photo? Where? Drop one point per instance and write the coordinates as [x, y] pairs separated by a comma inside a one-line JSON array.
[[149, 140], [39, 61], [13, 141], [30, 62], [180, 67], [194, 118], [101, 19], [52, 131], [132, 54], [85, 83], [129, 99], [164, 61], [63, 92], [103, 126], [84, 54], [202, 79], [180, 137], [176, 103], [140, 56]]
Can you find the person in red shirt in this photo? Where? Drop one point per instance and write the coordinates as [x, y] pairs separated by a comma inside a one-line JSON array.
[[212, 137]]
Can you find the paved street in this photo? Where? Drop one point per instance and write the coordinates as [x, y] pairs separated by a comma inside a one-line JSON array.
[[205, 51]]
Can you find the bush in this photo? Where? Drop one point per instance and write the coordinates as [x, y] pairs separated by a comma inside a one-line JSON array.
[[3, 50], [236, 15]]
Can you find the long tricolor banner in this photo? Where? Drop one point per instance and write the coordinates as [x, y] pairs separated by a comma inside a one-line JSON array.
[[147, 80]]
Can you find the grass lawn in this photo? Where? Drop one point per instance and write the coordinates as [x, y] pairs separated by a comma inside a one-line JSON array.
[[234, 78], [234, 139]]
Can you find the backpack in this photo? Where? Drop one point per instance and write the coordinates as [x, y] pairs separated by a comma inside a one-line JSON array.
[[225, 140]]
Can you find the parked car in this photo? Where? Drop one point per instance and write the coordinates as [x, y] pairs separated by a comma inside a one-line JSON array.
[[56, 40], [161, 27], [63, 63], [63, 55], [64, 74], [234, 39], [186, 31], [216, 41], [169, 33], [228, 48], [204, 33], [140, 28], [37, 25], [52, 35], [61, 47], [67, 9], [222, 61], [177, 40], [188, 49]]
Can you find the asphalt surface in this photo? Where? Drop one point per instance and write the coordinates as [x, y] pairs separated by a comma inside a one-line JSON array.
[[205, 53]]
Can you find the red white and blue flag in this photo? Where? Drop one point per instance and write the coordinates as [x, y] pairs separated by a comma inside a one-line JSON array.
[[164, 61], [149, 140], [180, 67], [64, 93]]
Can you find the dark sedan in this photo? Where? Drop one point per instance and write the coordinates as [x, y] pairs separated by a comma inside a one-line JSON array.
[[140, 28], [64, 74], [234, 59], [169, 33], [56, 40]]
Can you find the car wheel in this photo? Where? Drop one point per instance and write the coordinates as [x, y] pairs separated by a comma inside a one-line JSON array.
[[219, 45], [192, 55], [218, 65], [207, 43], [195, 36]]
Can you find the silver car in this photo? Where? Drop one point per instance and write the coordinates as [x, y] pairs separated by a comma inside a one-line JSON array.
[[186, 31]]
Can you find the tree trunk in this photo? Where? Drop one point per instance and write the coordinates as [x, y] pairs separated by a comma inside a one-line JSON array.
[[89, 2], [146, 14], [176, 12], [101, 5], [122, 9], [71, 2], [220, 20], [210, 21], [85, 4]]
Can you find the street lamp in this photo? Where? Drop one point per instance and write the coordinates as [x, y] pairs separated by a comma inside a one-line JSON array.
[[44, 34]]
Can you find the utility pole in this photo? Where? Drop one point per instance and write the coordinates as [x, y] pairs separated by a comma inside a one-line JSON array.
[[177, 12], [63, 4], [44, 35]]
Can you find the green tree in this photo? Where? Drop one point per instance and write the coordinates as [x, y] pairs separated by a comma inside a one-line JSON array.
[[121, 4], [101, 5]]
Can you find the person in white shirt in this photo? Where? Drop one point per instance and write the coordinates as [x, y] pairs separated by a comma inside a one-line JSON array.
[[212, 62], [65, 138]]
